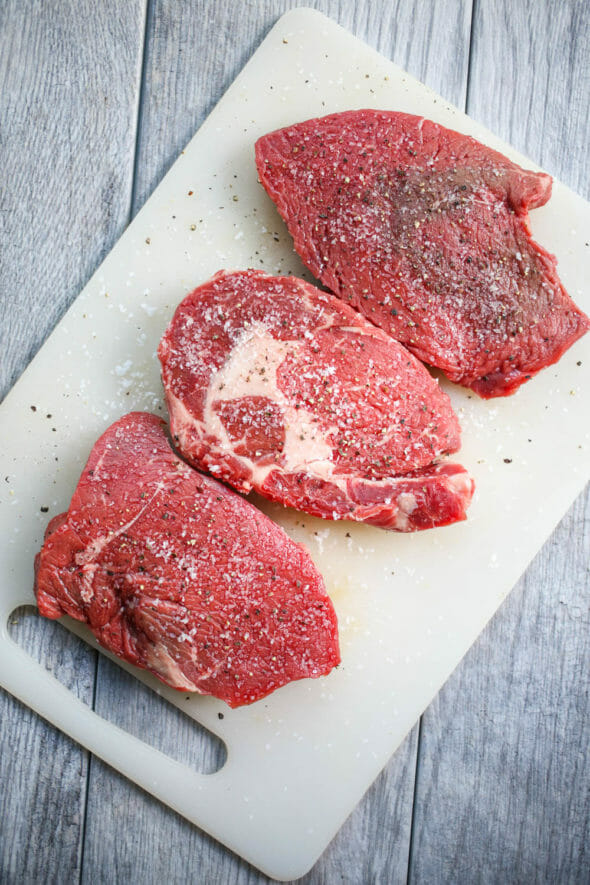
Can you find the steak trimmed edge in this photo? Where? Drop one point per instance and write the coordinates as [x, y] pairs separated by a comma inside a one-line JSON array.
[[275, 386], [425, 231], [178, 575]]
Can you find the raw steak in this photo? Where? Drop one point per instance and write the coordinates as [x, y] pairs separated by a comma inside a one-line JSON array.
[[177, 574], [275, 386], [425, 231]]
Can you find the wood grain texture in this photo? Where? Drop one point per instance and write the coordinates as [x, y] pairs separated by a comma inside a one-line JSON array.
[[144, 841], [192, 57], [503, 790], [530, 82], [70, 85], [197, 48], [69, 75], [43, 774], [373, 844]]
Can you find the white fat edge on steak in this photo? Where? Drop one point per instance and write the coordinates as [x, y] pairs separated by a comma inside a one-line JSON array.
[[402, 505], [307, 446], [251, 370], [158, 658], [407, 504], [461, 484]]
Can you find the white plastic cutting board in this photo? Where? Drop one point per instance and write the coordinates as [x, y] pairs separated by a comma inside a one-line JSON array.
[[409, 606]]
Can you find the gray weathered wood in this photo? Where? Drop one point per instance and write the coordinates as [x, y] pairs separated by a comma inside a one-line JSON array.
[[193, 56], [43, 774], [530, 82], [503, 791], [69, 85], [70, 89], [196, 49], [144, 841]]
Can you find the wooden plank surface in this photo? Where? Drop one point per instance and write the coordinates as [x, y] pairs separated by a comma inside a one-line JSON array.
[[69, 87], [502, 793], [502, 776], [43, 774], [70, 77]]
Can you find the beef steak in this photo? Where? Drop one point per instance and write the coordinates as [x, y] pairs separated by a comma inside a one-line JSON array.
[[275, 386], [425, 231], [179, 575]]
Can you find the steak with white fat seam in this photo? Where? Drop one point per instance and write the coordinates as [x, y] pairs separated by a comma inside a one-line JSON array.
[[425, 231], [275, 386], [177, 574]]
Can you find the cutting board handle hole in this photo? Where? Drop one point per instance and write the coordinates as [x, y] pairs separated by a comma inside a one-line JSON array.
[[118, 696]]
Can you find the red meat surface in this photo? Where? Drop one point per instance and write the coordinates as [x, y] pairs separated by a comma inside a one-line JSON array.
[[275, 386], [425, 231], [179, 575]]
